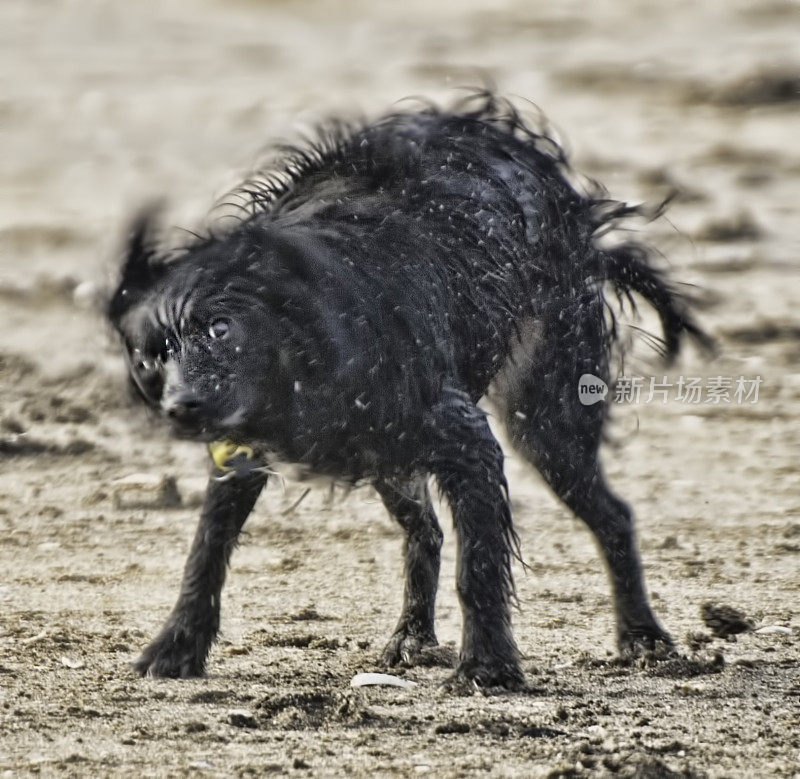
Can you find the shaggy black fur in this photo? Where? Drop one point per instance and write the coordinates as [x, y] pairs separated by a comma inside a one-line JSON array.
[[377, 285]]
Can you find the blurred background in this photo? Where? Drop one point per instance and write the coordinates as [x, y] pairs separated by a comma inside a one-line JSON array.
[[104, 105], [107, 105]]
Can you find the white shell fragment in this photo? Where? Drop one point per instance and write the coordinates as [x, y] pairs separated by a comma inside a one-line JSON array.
[[69, 662], [381, 680], [775, 629]]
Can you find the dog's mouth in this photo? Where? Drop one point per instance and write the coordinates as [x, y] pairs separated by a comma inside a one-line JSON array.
[[195, 427], [204, 428], [194, 431]]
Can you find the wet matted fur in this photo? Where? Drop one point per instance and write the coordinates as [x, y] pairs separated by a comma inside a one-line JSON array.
[[377, 283]]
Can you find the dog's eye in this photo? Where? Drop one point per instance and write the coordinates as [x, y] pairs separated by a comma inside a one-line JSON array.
[[170, 347], [219, 329]]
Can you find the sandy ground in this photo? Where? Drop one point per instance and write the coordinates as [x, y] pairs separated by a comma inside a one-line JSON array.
[[103, 106]]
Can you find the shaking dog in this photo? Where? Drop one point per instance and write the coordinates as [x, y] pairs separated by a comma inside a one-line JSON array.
[[378, 283]]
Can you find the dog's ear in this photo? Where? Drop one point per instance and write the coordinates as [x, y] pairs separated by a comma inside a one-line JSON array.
[[140, 264], [140, 253]]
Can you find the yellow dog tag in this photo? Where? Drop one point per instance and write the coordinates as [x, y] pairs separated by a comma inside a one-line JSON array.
[[223, 452]]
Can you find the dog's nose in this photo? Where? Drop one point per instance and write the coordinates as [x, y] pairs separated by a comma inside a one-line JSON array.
[[182, 406]]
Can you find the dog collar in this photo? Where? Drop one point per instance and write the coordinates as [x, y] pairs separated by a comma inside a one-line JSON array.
[[224, 452]]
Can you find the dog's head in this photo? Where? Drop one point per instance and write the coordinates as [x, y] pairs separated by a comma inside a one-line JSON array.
[[193, 338]]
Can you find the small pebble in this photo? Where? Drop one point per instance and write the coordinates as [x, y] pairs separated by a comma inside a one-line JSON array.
[[145, 490], [447, 728], [86, 295], [242, 718]]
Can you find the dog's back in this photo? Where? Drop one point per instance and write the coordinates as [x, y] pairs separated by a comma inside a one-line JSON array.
[[463, 223]]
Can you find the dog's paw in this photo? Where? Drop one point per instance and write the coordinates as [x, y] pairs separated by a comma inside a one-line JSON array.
[[172, 655], [406, 648], [472, 674], [652, 639]]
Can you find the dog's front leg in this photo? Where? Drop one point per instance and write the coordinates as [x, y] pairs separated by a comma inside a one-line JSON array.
[[181, 648], [409, 503], [468, 464]]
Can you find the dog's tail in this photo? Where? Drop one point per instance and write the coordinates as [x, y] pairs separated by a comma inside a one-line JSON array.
[[629, 269]]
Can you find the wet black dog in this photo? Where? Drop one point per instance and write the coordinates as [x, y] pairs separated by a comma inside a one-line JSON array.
[[379, 283]]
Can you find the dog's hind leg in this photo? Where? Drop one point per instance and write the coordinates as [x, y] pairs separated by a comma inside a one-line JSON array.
[[410, 504], [181, 648], [467, 462], [561, 437]]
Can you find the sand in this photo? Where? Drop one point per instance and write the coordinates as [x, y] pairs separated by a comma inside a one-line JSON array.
[[106, 105]]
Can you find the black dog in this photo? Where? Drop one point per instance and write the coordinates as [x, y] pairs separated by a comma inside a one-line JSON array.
[[350, 322]]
